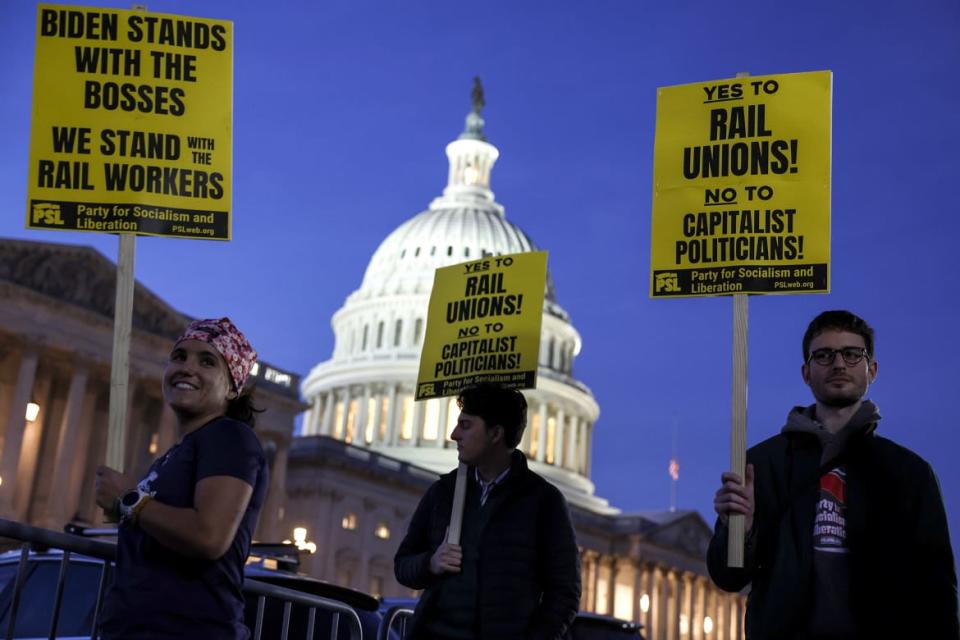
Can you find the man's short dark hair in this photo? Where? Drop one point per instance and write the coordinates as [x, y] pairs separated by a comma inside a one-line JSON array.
[[838, 320], [497, 405]]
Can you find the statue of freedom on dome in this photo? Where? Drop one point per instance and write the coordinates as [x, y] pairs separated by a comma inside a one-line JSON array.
[[477, 95]]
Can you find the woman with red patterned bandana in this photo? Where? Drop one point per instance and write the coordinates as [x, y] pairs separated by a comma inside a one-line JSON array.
[[185, 528]]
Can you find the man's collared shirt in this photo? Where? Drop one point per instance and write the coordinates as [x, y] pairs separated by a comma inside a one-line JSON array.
[[485, 487]]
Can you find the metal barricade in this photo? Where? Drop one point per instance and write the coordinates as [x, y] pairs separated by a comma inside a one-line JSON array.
[[105, 552], [396, 616]]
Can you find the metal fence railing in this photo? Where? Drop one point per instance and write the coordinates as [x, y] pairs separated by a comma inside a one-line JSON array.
[[73, 547], [394, 622]]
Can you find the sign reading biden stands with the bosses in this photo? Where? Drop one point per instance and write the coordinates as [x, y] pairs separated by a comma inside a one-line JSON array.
[[741, 197], [131, 123], [483, 325]]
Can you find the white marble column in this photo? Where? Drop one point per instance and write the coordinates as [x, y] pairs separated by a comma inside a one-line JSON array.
[[344, 417], [736, 616], [525, 439], [363, 412], [648, 587], [686, 607], [326, 424], [542, 436], [393, 429], [584, 592], [673, 606], [655, 618], [559, 436], [638, 569], [81, 469], [15, 425], [699, 608], [581, 445], [720, 616], [587, 450], [311, 421], [66, 451], [442, 414], [417, 431], [25, 481], [615, 568], [597, 566]]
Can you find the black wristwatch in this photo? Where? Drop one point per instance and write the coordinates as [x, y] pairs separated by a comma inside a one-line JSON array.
[[132, 502]]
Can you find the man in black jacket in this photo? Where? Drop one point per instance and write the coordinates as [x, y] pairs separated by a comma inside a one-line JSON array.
[[516, 572], [846, 531]]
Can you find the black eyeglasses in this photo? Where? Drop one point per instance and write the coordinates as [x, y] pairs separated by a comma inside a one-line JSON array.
[[826, 356]]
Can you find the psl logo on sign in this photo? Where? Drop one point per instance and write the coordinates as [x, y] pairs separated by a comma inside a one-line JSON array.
[[46, 213], [667, 282]]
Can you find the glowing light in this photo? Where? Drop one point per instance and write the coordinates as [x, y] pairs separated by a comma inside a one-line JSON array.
[[471, 175], [684, 624], [708, 625], [645, 603], [674, 469], [33, 410], [300, 539]]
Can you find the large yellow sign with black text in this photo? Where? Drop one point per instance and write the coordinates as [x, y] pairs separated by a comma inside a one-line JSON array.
[[132, 120], [483, 325], [741, 186]]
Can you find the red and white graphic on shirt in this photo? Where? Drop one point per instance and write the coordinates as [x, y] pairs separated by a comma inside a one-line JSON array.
[[830, 523]]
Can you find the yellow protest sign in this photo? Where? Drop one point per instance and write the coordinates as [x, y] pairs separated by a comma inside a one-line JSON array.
[[483, 325], [741, 193], [131, 127]]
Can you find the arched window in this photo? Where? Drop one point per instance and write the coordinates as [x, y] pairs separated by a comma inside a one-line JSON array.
[[366, 332], [397, 332], [380, 334]]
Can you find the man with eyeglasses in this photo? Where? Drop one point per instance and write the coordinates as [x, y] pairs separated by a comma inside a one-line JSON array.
[[846, 531]]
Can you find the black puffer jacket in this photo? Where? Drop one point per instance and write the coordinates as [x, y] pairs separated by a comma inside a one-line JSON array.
[[903, 580], [527, 547]]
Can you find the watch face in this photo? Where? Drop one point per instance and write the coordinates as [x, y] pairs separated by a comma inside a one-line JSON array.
[[130, 498]]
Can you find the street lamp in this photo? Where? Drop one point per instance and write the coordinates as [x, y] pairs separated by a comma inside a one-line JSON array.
[[300, 539]]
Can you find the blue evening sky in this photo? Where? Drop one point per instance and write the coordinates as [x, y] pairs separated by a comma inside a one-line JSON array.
[[342, 111]]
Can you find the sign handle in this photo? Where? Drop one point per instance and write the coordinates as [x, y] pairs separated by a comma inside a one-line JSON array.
[[459, 499], [738, 416], [120, 365], [738, 423]]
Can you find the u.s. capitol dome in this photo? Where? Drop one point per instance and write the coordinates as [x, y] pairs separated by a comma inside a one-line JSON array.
[[364, 393]]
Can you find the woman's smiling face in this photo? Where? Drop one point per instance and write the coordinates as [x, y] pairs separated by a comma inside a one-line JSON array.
[[196, 382]]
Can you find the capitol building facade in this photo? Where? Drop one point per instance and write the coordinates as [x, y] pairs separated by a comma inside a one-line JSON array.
[[367, 451]]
